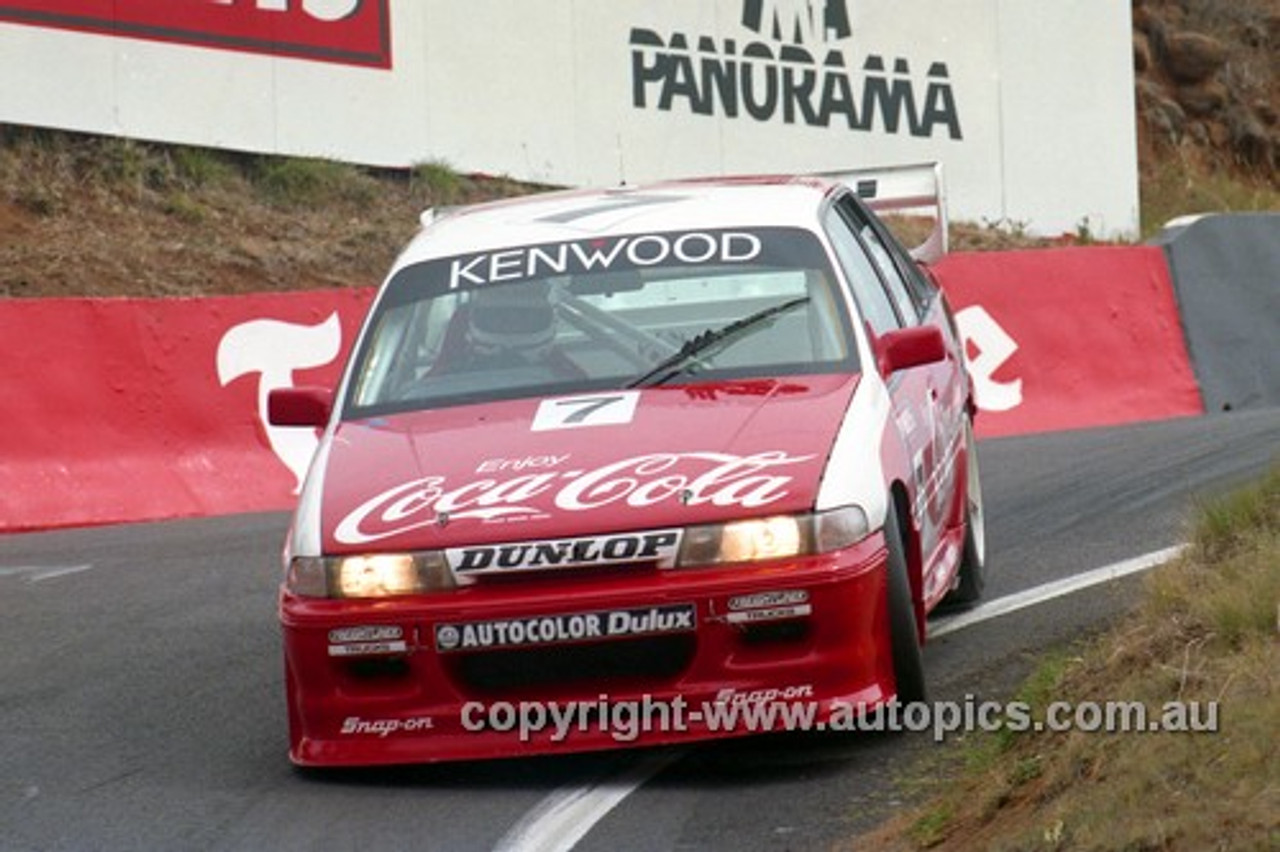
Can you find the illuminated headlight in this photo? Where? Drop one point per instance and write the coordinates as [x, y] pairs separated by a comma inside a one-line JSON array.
[[777, 537], [377, 575], [761, 538]]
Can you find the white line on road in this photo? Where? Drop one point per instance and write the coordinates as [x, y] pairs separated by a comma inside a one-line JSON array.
[[40, 573], [565, 816], [1049, 591]]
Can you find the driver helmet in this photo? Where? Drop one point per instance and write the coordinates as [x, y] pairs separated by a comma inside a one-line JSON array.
[[512, 317]]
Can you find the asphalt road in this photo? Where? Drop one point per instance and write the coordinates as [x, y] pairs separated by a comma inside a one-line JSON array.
[[141, 703]]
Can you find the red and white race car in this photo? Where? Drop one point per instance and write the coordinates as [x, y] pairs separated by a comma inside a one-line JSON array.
[[673, 446]]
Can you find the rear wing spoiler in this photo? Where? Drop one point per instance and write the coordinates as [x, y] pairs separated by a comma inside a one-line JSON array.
[[917, 186]]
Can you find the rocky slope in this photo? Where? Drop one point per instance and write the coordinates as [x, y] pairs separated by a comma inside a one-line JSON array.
[[1207, 74]]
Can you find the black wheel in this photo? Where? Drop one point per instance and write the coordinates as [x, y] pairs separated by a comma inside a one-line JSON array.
[[973, 557], [908, 661]]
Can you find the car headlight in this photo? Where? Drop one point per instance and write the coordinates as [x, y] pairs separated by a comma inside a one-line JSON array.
[[376, 575], [777, 537], [380, 575]]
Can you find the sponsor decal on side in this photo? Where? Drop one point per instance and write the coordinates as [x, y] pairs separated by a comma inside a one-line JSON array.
[[693, 248], [365, 641], [790, 692], [498, 465], [571, 627], [793, 69], [356, 726], [778, 613], [576, 412], [763, 600], [367, 649], [660, 546], [692, 479], [369, 633], [769, 606], [351, 32]]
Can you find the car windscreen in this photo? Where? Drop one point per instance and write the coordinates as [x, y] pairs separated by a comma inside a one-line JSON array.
[[607, 312]]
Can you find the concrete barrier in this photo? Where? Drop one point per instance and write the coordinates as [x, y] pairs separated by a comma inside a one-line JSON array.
[[1226, 272]]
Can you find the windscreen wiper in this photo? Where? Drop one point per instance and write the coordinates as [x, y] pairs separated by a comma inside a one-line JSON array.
[[679, 361]]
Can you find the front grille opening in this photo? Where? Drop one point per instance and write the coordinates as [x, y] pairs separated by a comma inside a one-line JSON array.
[[586, 573], [599, 665], [378, 668], [794, 630]]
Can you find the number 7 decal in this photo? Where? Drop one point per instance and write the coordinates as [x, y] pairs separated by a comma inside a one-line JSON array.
[[576, 412]]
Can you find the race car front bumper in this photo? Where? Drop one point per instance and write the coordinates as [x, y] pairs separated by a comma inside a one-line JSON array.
[[595, 662]]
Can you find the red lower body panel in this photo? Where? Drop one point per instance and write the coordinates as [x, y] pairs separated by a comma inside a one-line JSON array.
[[578, 664]]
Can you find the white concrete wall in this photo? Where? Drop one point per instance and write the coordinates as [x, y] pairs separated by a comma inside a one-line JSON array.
[[1041, 94]]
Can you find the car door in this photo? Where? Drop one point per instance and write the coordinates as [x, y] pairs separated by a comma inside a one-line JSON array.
[[927, 401]]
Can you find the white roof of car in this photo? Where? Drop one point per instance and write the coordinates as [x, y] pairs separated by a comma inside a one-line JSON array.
[[575, 214]]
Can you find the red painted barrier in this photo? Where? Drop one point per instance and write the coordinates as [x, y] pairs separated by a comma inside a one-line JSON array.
[[1070, 338], [135, 409], [123, 410], [353, 32]]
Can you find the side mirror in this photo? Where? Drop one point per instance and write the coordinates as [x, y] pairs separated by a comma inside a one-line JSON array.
[[306, 406], [911, 347]]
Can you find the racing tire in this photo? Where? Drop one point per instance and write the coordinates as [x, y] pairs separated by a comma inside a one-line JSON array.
[[973, 556], [904, 635]]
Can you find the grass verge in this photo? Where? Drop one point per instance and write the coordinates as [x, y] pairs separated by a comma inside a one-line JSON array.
[[1202, 655], [1175, 186]]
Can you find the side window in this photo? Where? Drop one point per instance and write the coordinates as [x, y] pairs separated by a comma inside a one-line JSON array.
[[922, 288], [868, 292], [880, 253]]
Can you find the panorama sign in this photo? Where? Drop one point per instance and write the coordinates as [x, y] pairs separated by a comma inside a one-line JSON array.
[[793, 65], [350, 32]]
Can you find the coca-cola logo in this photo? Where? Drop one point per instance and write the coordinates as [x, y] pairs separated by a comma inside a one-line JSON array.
[[692, 479]]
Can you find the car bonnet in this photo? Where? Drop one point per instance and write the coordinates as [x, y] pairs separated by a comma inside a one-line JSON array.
[[563, 466]]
